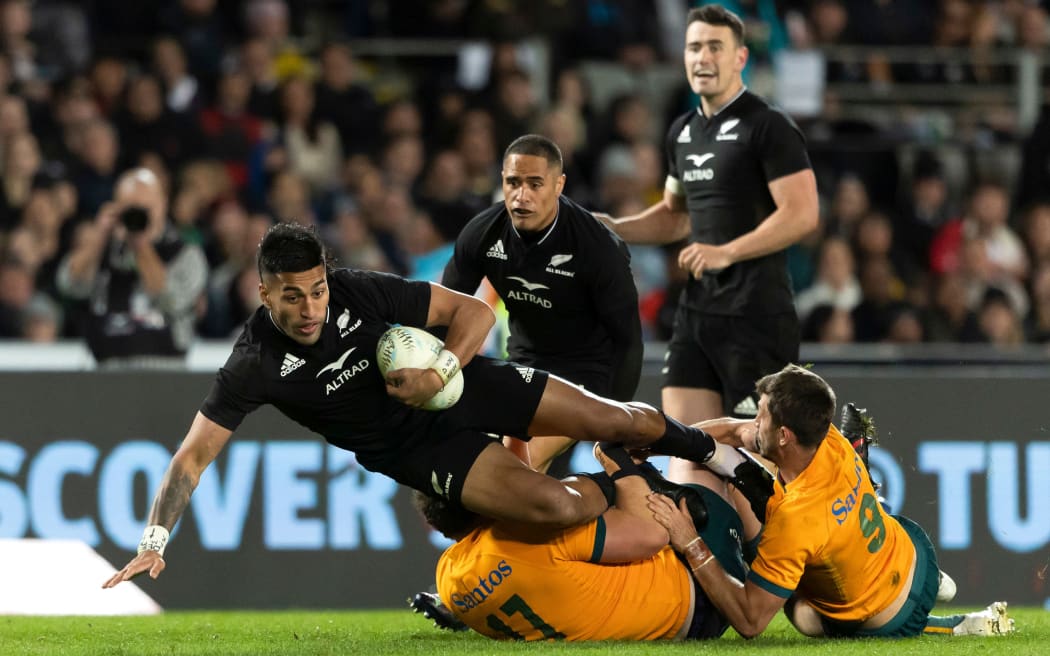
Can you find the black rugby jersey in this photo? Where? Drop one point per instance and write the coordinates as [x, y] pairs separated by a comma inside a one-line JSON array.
[[724, 165], [570, 297], [333, 387]]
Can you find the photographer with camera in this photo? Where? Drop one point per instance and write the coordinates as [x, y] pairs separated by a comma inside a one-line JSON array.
[[140, 281]]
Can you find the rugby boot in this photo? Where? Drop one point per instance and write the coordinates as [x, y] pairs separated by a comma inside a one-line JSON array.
[[694, 501], [859, 428], [992, 621], [755, 482], [430, 605]]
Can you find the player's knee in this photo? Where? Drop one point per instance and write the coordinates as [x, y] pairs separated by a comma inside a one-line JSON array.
[[553, 505], [804, 617]]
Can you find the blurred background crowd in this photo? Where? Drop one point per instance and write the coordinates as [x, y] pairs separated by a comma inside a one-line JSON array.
[[383, 124]]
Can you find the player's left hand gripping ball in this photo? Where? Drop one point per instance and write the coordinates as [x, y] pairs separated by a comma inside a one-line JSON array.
[[407, 347]]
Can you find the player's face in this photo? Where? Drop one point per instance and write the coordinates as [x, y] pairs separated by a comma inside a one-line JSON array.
[[713, 61], [766, 435], [298, 302], [530, 190]]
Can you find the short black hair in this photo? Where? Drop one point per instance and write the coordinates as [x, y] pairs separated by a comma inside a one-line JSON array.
[[538, 146], [718, 15], [800, 400], [290, 248], [450, 519]]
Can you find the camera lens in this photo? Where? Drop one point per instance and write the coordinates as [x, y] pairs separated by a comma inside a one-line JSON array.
[[134, 218]]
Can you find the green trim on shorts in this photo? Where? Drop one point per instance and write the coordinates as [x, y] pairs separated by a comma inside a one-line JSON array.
[[723, 532], [599, 540]]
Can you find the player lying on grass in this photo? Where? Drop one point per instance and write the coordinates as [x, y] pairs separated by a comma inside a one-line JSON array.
[[613, 578], [828, 553]]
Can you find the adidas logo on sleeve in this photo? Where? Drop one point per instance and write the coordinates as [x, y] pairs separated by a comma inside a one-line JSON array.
[[290, 364]]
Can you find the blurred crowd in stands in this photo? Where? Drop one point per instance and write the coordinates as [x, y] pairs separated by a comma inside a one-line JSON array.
[[259, 111]]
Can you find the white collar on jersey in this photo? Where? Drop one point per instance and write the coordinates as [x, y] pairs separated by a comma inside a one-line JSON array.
[[700, 107], [550, 228]]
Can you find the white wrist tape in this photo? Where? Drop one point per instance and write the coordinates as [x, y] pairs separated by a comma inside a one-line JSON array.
[[446, 366], [154, 538]]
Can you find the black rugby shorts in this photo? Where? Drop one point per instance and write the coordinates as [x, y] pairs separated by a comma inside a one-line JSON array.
[[499, 398], [728, 354]]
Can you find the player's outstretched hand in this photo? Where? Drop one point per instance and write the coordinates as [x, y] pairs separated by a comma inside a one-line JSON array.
[[147, 561], [413, 387], [675, 519]]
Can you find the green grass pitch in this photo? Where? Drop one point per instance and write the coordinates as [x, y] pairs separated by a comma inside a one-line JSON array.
[[398, 632]]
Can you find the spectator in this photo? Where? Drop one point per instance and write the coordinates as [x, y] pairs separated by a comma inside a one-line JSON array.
[[904, 325], [269, 21], [629, 121], [827, 324], [849, 204], [879, 297], [477, 145], [289, 199], [402, 117], [829, 20], [200, 30], [20, 164], [109, 79], [980, 275], [140, 283], [515, 108], [873, 238], [986, 219], [950, 318], [148, 126], [257, 61], [1000, 324], [236, 235], [443, 194], [403, 161], [231, 133], [926, 210], [42, 320], [836, 284], [344, 102], [182, 90], [565, 127], [16, 292], [16, 21], [309, 145], [617, 180], [97, 148], [353, 244], [14, 118]]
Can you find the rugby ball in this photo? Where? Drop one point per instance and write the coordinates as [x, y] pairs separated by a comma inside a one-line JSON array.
[[405, 347]]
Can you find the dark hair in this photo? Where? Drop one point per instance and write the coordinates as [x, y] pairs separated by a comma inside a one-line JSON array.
[[290, 248], [800, 400], [450, 519], [537, 146], [718, 15]]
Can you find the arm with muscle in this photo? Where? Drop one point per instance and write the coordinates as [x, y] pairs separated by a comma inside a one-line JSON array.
[[202, 444], [664, 222]]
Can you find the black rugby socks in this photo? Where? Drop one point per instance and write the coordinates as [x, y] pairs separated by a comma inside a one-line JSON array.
[[683, 441]]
